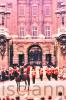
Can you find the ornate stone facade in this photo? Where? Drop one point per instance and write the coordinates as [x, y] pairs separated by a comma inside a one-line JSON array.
[[32, 22]]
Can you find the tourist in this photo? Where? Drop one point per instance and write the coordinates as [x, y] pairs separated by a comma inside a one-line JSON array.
[[17, 98], [42, 98], [60, 96], [49, 98]]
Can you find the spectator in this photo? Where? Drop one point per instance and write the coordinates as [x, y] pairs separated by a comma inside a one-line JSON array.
[[30, 99], [49, 98], [42, 98], [7, 98], [60, 96], [3, 98], [12, 99], [17, 98]]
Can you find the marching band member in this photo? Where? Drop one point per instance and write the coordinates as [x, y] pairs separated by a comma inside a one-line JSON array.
[[56, 74], [48, 73], [41, 73], [28, 76], [15, 72], [11, 73], [52, 71], [17, 77], [28, 69], [22, 72], [33, 75]]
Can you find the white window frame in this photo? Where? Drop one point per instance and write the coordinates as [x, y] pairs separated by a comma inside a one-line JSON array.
[[47, 6], [47, 30], [21, 14], [22, 31], [35, 12], [34, 30]]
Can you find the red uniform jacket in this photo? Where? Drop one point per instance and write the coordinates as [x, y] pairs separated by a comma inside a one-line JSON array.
[[48, 72], [33, 73], [56, 71], [41, 72]]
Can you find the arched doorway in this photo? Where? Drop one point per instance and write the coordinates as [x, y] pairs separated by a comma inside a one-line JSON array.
[[35, 55]]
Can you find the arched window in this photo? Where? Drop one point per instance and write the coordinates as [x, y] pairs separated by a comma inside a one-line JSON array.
[[35, 55]]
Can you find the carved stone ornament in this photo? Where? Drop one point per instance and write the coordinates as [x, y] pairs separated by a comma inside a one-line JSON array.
[[2, 45]]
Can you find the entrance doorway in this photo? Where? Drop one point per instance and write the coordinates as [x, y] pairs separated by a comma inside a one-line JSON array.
[[21, 59], [35, 55], [48, 59]]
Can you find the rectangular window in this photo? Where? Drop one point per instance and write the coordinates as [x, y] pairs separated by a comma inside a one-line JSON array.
[[0, 19], [9, 5], [47, 10], [21, 10], [22, 31], [47, 32], [34, 10], [34, 31]]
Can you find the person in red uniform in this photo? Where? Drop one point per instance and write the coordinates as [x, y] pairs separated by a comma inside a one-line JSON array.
[[17, 77], [33, 75], [28, 69], [28, 76], [48, 73], [56, 74], [52, 71], [41, 73], [22, 72], [15, 72], [11, 76]]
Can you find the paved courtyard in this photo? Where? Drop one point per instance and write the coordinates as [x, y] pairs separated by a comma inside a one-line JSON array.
[[44, 88]]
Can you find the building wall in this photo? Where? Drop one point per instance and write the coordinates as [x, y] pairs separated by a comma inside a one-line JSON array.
[[32, 18]]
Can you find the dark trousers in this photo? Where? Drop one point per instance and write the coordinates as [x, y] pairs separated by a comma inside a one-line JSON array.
[[48, 76], [28, 79], [54, 76], [33, 79], [18, 86], [41, 77]]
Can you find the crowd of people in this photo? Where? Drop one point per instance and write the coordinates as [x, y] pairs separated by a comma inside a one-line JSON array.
[[14, 72], [11, 73], [52, 73], [60, 96], [23, 73]]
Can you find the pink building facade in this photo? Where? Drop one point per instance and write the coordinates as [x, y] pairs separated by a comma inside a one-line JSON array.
[[32, 26]]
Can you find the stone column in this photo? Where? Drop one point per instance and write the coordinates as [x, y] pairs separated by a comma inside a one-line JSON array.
[[58, 55]]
